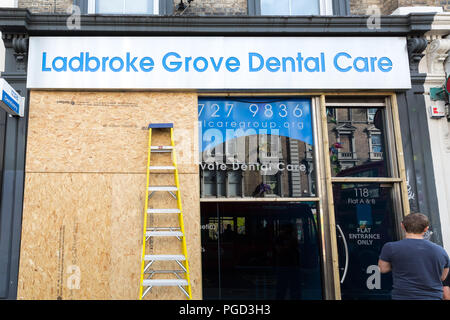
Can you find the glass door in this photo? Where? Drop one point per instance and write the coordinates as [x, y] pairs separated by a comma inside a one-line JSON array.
[[365, 221], [260, 251], [366, 191]]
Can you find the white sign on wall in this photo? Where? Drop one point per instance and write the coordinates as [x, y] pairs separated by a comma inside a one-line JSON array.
[[218, 63]]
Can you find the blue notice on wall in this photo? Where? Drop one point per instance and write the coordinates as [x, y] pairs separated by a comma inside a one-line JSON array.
[[222, 119], [10, 102]]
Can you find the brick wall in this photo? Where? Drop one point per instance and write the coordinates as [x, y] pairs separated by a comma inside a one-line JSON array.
[[432, 3], [239, 7], [388, 6], [215, 7], [198, 7], [360, 6], [45, 6]]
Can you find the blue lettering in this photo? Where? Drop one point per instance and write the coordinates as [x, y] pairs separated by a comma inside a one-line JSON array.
[[219, 63], [63, 67], [372, 63], [88, 61], [322, 58], [365, 63], [147, 64], [261, 61], [205, 64], [385, 64], [273, 64], [186, 61], [299, 61], [174, 66], [80, 60], [284, 63], [130, 63], [104, 60], [111, 64], [316, 64], [336, 65], [232, 64], [44, 62]]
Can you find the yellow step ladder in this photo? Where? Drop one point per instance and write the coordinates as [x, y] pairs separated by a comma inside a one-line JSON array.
[[148, 260]]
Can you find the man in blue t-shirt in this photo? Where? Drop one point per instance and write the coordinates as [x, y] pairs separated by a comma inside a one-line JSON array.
[[418, 266]]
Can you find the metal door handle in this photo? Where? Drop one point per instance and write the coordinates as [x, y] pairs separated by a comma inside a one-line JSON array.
[[346, 253]]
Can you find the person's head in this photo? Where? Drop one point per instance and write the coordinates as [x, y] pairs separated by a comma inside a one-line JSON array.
[[416, 223]]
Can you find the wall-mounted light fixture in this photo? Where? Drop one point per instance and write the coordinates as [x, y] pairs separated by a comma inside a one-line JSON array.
[[182, 6]]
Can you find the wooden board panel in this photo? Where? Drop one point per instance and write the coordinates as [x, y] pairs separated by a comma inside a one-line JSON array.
[[85, 190], [106, 132], [64, 225]]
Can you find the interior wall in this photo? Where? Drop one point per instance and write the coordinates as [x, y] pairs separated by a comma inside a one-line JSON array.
[[85, 188]]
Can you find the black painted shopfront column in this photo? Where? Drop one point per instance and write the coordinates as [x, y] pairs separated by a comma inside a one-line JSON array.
[[15, 130], [422, 191]]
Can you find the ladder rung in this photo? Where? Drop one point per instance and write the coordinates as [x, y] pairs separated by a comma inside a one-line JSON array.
[[162, 188], [164, 234], [161, 168], [165, 282], [161, 148], [164, 271], [163, 211], [165, 257], [160, 125]]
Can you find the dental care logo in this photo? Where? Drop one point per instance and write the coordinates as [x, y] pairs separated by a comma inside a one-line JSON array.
[[174, 62]]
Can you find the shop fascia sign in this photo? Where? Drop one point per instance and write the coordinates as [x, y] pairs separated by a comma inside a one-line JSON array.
[[218, 63], [10, 100]]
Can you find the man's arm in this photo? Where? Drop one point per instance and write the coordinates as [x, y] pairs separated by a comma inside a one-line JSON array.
[[385, 266], [446, 288], [444, 274], [446, 293]]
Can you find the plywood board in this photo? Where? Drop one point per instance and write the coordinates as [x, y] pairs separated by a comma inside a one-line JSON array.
[[85, 190], [65, 225], [106, 132]]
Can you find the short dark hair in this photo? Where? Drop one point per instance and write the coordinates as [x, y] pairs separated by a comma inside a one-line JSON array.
[[415, 223]]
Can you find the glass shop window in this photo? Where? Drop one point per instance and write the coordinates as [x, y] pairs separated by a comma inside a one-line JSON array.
[[256, 147], [357, 141]]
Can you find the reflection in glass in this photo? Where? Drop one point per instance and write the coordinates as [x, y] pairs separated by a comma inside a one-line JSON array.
[[357, 142], [260, 251], [256, 147], [296, 177]]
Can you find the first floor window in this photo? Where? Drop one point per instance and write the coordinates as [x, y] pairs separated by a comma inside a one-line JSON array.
[[376, 143], [124, 6], [295, 7]]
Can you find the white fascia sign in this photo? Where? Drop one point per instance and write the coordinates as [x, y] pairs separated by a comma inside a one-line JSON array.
[[10, 100], [218, 63]]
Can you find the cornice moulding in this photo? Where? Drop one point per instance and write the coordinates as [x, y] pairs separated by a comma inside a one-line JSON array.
[[21, 20]]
